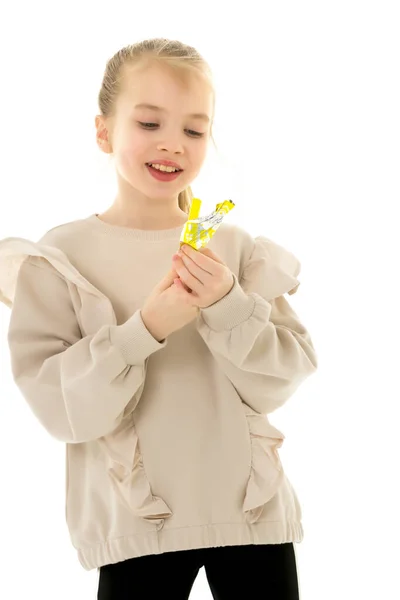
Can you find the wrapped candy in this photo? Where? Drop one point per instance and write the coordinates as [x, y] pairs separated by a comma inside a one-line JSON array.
[[197, 230]]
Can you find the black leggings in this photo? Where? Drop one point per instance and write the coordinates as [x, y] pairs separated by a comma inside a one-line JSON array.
[[260, 572]]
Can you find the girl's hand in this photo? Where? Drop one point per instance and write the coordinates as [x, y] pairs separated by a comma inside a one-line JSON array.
[[167, 308], [204, 273]]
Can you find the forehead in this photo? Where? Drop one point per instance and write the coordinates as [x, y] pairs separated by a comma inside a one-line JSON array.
[[156, 84]]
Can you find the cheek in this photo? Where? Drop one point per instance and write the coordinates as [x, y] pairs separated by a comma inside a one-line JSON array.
[[199, 151], [131, 149]]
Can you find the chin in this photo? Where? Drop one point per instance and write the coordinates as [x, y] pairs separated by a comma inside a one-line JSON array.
[[161, 194]]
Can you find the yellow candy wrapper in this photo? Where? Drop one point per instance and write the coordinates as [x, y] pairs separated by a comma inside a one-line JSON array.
[[198, 231]]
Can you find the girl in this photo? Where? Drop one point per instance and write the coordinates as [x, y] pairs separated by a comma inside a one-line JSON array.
[[158, 369]]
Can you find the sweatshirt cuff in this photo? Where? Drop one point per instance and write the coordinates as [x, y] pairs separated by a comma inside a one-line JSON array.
[[229, 312], [134, 340]]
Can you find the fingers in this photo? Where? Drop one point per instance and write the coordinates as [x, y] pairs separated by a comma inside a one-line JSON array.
[[167, 280], [180, 284], [212, 255], [191, 275], [203, 258], [187, 267]]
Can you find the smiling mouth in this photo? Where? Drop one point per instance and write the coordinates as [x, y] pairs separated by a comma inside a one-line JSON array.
[[177, 170], [163, 175]]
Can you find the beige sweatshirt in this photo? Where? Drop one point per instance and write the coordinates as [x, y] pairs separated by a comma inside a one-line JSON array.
[[168, 445]]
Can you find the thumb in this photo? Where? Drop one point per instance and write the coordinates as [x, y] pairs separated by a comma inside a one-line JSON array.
[[167, 280]]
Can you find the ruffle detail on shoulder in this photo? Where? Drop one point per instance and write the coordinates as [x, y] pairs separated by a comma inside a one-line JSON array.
[[128, 476], [271, 270], [266, 472], [93, 309], [14, 251]]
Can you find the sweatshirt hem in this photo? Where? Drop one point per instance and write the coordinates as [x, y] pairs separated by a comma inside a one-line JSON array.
[[189, 538]]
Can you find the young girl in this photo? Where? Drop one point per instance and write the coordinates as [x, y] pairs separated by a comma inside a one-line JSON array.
[[158, 369]]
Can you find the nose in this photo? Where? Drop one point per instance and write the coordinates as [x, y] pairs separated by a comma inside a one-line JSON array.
[[172, 144]]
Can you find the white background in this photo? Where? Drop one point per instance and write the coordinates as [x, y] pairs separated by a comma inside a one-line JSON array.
[[307, 130]]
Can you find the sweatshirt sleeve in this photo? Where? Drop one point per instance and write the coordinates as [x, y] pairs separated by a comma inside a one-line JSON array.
[[255, 335], [78, 387]]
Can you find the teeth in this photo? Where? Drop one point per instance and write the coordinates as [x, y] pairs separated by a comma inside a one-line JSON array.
[[163, 168]]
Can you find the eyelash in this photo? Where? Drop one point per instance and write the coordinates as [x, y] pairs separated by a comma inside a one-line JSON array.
[[191, 132]]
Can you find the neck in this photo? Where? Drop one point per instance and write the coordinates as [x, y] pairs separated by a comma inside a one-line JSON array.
[[135, 218], [131, 208]]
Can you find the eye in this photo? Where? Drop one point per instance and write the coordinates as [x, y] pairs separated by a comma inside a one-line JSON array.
[[151, 126], [195, 133], [148, 125]]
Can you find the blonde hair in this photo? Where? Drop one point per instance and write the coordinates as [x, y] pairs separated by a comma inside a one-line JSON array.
[[180, 58]]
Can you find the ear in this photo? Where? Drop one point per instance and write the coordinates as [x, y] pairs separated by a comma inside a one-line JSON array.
[[102, 135]]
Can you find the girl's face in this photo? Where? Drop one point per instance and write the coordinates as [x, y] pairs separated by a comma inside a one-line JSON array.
[[179, 130]]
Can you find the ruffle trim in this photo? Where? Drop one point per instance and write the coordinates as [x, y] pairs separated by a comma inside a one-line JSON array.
[[128, 477], [14, 251], [271, 270], [93, 309], [123, 458], [129, 480], [266, 473]]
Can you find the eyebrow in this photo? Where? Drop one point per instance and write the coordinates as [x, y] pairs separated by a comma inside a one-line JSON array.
[[202, 116]]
